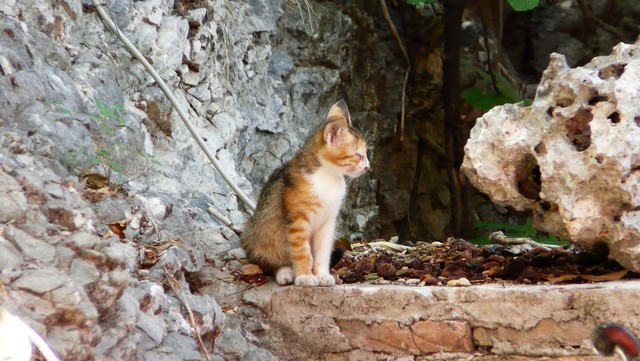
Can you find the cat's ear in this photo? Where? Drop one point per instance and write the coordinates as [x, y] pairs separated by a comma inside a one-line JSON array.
[[338, 121], [339, 111]]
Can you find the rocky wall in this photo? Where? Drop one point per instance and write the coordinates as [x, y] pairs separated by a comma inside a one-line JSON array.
[[90, 267]]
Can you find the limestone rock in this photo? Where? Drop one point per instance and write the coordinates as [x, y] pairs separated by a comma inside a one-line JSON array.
[[245, 78], [572, 157]]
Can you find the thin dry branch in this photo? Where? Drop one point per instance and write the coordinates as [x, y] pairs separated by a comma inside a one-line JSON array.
[[394, 31], [165, 89], [500, 238], [588, 15], [224, 220], [175, 286]]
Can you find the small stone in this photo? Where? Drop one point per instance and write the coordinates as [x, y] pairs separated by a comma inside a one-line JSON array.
[[9, 256], [30, 247], [83, 273], [386, 270], [151, 326], [152, 297], [74, 304], [236, 253], [460, 282], [182, 347], [81, 240], [381, 281], [108, 339], [127, 310], [70, 219], [13, 201], [191, 78], [196, 16], [155, 17], [182, 257], [40, 281], [251, 269], [54, 190], [121, 254], [412, 281], [207, 310]]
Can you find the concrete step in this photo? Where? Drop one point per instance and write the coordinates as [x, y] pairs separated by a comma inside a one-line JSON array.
[[484, 322]]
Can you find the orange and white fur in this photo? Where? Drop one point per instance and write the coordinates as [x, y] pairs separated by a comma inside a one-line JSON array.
[[292, 231]]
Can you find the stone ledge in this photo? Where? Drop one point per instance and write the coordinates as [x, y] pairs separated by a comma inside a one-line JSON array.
[[484, 321]]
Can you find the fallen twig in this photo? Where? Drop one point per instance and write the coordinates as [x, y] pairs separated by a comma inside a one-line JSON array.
[[224, 220], [175, 285], [500, 238]]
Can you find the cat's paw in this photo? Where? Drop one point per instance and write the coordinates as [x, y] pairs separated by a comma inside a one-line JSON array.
[[307, 281], [326, 280], [285, 276]]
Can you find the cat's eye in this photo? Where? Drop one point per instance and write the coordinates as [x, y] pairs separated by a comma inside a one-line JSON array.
[[360, 156]]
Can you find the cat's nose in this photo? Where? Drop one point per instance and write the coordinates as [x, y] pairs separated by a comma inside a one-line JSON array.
[[366, 166]]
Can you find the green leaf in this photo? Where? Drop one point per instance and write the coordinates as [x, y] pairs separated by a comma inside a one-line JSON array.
[[94, 161], [420, 2], [516, 231], [482, 100], [523, 5], [115, 166], [102, 153]]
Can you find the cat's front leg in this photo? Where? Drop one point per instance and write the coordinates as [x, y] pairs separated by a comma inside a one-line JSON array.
[[322, 245], [298, 233]]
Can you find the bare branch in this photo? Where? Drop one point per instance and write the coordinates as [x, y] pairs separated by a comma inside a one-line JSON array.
[[394, 31]]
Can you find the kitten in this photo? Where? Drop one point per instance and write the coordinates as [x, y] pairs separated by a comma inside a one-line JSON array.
[[292, 230]]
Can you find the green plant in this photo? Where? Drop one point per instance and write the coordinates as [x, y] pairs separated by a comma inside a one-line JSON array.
[[420, 3], [108, 148], [517, 5], [484, 100], [515, 231], [523, 5]]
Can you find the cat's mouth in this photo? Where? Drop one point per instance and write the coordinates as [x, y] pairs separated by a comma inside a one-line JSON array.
[[357, 172]]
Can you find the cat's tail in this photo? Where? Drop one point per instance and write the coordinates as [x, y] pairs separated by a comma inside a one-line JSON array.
[[336, 255]]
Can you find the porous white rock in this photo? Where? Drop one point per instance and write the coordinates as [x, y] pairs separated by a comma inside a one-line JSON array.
[[573, 156]]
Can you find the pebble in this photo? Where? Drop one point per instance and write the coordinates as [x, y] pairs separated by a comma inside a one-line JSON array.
[[412, 282], [460, 282], [40, 281]]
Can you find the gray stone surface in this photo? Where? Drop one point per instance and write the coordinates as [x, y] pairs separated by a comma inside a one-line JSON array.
[[30, 247], [70, 93], [40, 281], [9, 256], [83, 273]]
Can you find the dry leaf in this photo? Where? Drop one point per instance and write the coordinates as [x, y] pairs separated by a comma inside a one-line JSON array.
[[562, 278], [344, 243], [251, 269], [391, 246], [613, 276], [118, 229], [94, 180]]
